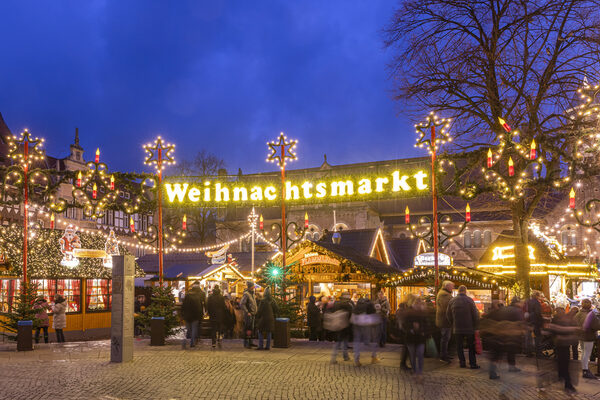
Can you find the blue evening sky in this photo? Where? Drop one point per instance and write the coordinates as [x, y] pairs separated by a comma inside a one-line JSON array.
[[225, 76]]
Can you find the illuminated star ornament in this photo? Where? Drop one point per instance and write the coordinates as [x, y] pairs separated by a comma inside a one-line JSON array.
[[280, 156], [424, 129], [159, 154], [25, 149]]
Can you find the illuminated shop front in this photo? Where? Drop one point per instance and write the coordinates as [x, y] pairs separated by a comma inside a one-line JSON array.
[[66, 263], [551, 272], [324, 268]]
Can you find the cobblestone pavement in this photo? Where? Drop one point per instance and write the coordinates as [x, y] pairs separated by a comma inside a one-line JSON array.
[[82, 371]]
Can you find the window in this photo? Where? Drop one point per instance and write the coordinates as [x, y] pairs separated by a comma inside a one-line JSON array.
[[467, 240], [568, 237], [136, 221], [8, 289], [71, 213], [487, 238], [120, 219], [109, 218], [98, 295], [70, 289], [477, 239]]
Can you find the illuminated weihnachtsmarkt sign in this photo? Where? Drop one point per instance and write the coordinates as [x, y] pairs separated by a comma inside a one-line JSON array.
[[333, 189]]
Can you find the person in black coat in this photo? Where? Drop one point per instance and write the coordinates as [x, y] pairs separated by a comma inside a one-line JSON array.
[[343, 335], [314, 318], [536, 320], [265, 319], [192, 312], [464, 317], [217, 313]]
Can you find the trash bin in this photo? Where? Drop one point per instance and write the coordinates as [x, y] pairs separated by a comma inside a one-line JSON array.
[[157, 331], [24, 336], [281, 336]]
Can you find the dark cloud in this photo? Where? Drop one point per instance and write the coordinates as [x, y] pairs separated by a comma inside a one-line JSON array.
[[225, 76]]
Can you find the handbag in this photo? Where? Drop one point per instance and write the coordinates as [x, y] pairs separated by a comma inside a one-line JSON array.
[[478, 346], [431, 348], [336, 321]]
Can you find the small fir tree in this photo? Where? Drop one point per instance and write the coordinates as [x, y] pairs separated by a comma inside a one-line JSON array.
[[162, 305], [280, 279], [21, 309]]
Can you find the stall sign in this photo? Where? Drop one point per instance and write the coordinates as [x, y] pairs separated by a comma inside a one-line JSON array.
[[312, 258], [428, 260]]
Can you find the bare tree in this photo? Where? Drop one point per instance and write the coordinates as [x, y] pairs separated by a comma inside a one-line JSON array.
[[200, 220], [477, 61]]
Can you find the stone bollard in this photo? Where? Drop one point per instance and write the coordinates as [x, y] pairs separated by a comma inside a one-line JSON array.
[[157, 331], [24, 336], [282, 333]]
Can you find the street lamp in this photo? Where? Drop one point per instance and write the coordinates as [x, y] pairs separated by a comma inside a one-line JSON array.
[[159, 154]]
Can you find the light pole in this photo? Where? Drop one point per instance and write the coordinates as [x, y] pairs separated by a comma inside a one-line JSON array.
[[432, 122], [282, 150], [25, 150], [160, 155]]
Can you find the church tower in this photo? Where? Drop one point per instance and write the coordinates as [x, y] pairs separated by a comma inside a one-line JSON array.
[[76, 150]]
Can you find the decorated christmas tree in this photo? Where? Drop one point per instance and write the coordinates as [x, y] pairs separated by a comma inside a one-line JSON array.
[[162, 305], [279, 279], [21, 309]]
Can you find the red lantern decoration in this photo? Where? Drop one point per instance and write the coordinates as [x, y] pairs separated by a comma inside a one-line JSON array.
[[532, 150], [260, 222], [468, 213], [306, 220], [511, 167], [94, 191], [112, 182], [184, 224], [572, 198], [52, 221], [79, 176], [97, 156], [407, 215], [504, 124], [131, 225]]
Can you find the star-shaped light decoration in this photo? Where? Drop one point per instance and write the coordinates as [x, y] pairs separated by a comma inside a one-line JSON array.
[[159, 154], [424, 129], [288, 150], [25, 149]]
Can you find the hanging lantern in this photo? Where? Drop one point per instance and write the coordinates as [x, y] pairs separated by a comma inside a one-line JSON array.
[[407, 216], [306, 220], [94, 191], [260, 222], [97, 156], [511, 167], [468, 213], [79, 176], [112, 182], [490, 160], [572, 198], [184, 224], [532, 150], [52, 221], [504, 124], [131, 225]]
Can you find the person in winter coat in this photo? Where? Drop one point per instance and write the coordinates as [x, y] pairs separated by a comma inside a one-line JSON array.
[[59, 322], [248, 307], [314, 319], [217, 312], [230, 320], [404, 355], [415, 325], [441, 318], [42, 307], [535, 319], [502, 329], [265, 319], [565, 331], [382, 306], [464, 317], [587, 336], [364, 319], [192, 312], [343, 335]]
